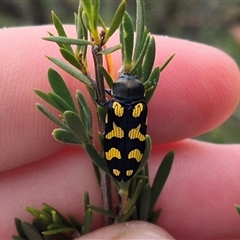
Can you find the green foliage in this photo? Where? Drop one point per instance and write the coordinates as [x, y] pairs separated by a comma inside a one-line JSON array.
[[116, 21], [238, 209], [136, 198], [49, 223]]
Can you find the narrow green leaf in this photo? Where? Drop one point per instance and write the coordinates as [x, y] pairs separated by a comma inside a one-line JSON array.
[[85, 113], [72, 59], [97, 173], [117, 19], [76, 126], [154, 216], [122, 42], [61, 32], [39, 225], [102, 24], [140, 23], [126, 37], [139, 60], [91, 93], [72, 71], [149, 93], [58, 25], [46, 218], [146, 172], [132, 186], [167, 62], [161, 177], [87, 6], [79, 28], [134, 215], [134, 197], [86, 201], [77, 22], [107, 76], [35, 212], [82, 50], [101, 112], [31, 232], [95, 13], [110, 49], [149, 59], [84, 29], [46, 98], [85, 21], [151, 84], [48, 114], [145, 201], [62, 104], [48, 209], [237, 208], [96, 158], [59, 44], [146, 154], [103, 212], [126, 216], [139, 72], [153, 79], [65, 136], [18, 224], [54, 226], [56, 219], [58, 230], [87, 223], [76, 223], [69, 41], [60, 88], [90, 17]]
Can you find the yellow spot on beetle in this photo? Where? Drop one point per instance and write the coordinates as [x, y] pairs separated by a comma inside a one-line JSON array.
[[135, 133], [135, 154], [116, 132], [113, 152], [137, 110], [116, 172], [118, 109], [129, 173]]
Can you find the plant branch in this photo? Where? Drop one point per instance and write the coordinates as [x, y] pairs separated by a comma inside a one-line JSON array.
[[100, 95]]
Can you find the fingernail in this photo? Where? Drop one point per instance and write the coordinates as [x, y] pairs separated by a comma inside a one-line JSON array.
[[142, 234], [129, 230]]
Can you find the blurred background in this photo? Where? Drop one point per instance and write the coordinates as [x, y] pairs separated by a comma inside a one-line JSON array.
[[216, 23]]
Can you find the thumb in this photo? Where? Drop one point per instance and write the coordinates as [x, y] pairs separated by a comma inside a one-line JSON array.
[[128, 230]]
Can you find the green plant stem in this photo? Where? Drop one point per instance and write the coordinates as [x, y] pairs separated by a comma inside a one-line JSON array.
[[124, 201], [106, 194], [100, 95], [98, 61], [123, 192], [99, 88]]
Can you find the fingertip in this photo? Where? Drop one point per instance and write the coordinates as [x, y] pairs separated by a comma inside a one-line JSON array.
[[129, 230], [198, 90]]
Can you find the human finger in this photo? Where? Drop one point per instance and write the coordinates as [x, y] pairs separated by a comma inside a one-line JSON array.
[[198, 197], [196, 93]]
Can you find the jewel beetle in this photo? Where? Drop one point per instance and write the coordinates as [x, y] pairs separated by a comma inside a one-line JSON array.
[[125, 127]]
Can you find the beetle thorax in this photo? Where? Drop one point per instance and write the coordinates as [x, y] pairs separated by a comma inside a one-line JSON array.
[[128, 89]]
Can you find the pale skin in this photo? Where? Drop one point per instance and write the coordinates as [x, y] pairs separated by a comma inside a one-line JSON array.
[[198, 91]]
